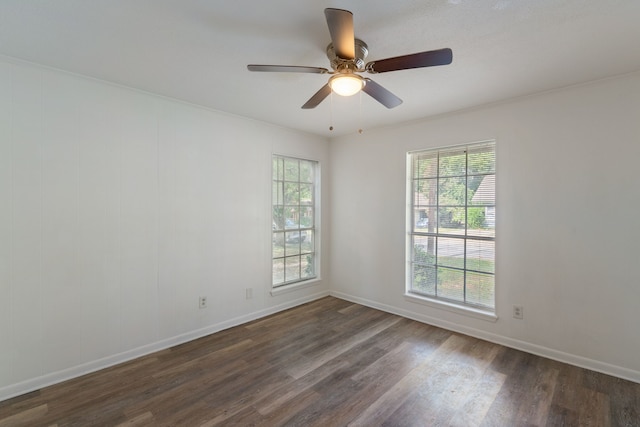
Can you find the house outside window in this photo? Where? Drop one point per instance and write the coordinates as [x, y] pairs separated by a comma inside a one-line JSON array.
[[451, 239], [293, 220]]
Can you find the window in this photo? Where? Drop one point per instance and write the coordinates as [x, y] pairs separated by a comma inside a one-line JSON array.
[[452, 231], [293, 220]]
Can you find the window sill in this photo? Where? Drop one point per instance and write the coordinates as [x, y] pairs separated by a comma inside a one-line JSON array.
[[294, 286], [443, 305]]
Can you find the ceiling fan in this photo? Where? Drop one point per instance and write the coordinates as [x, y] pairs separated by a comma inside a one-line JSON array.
[[347, 54]]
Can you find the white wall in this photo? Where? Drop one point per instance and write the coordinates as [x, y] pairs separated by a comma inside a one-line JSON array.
[[118, 209], [568, 201]]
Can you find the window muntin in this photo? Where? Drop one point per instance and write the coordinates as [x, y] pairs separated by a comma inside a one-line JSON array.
[[452, 231], [294, 225]]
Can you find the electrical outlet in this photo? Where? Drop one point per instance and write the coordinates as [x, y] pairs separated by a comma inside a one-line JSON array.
[[202, 302], [249, 293], [518, 312]]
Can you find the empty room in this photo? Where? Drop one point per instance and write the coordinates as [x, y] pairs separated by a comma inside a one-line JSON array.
[[319, 213]]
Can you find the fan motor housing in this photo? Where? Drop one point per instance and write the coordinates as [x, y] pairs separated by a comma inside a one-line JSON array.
[[337, 63]]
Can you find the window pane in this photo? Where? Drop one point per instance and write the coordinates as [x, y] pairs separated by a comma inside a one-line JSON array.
[[291, 171], [453, 162], [450, 284], [308, 267], [292, 243], [481, 222], [424, 219], [475, 218], [423, 279], [481, 255], [450, 252], [480, 289], [306, 217], [482, 159], [490, 219], [292, 268], [424, 250], [277, 271], [425, 165], [278, 168], [306, 171], [425, 192], [277, 245], [452, 191], [482, 190], [306, 194], [291, 193], [278, 218], [451, 221], [308, 245], [291, 214], [277, 197]]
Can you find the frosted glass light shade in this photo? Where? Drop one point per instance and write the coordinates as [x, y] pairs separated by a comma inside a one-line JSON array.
[[346, 84]]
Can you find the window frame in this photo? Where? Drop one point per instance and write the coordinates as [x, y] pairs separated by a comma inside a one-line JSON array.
[[463, 305], [304, 233]]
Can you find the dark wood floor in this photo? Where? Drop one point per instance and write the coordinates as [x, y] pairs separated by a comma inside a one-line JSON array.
[[334, 363]]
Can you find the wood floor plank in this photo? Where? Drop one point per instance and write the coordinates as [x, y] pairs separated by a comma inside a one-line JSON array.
[[172, 394], [144, 419], [562, 417], [330, 351], [397, 394], [223, 403], [350, 308], [26, 417], [443, 393], [478, 400], [283, 414], [376, 379], [333, 363], [341, 389], [520, 371], [214, 358], [594, 410], [283, 396], [536, 410]]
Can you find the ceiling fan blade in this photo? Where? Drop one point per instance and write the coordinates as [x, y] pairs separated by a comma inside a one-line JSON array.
[[340, 23], [380, 94], [416, 60], [318, 97], [287, 69]]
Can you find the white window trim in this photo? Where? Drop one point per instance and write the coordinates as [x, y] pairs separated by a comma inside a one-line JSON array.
[[409, 295], [296, 286], [451, 307], [317, 279]]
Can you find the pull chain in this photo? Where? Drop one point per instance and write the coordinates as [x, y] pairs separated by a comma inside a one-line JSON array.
[[360, 115], [331, 111]]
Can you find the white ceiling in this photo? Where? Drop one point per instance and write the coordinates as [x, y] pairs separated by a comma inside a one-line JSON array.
[[197, 50]]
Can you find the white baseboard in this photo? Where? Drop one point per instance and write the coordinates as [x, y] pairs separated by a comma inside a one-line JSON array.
[[89, 367], [95, 365], [572, 359]]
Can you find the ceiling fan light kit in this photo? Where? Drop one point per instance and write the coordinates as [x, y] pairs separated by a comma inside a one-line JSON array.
[[346, 55], [346, 84]]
